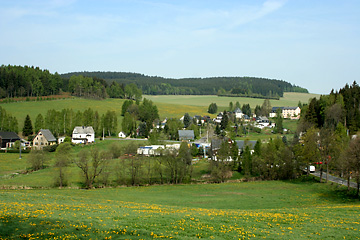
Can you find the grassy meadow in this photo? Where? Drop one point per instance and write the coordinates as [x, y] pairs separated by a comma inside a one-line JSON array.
[[169, 106], [31, 208], [253, 210], [290, 99]]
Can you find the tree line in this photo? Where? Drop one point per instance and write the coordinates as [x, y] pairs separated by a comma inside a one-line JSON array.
[[231, 86], [18, 81], [112, 167], [62, 122]]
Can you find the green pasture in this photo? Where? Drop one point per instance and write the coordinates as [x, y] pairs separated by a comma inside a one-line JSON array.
[[254, 210], [169, 106], [290, 99], [15, 172]]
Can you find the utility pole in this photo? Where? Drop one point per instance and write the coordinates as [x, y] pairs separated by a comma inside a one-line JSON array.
[[20, 150]]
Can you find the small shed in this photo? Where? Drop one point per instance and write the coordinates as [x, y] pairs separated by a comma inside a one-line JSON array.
[[122, 135]]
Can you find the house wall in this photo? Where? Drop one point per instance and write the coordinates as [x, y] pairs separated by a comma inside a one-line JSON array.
[[40, 142], [78, 138]]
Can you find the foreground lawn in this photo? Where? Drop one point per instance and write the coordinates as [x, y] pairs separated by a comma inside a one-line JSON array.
[[269, 210]]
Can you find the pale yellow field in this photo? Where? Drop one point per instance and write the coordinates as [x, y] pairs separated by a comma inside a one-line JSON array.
[[289, 99]]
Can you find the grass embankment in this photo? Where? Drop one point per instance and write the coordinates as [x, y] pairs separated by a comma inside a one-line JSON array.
[[256, 210]]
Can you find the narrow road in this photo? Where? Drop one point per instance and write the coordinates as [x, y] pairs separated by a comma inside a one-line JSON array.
[[335, 179]]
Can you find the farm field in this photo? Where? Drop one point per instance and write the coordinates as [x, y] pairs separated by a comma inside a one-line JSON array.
[[169, 106], [289, 99], [254, 210]]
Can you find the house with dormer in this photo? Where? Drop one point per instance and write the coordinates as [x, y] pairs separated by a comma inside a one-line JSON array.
[[43, 139]]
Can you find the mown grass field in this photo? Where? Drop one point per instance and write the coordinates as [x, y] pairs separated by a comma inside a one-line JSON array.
[[254, 210], [169, 106], [289, 99]]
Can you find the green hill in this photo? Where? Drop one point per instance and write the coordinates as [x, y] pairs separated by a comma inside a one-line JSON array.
[[228, 86]]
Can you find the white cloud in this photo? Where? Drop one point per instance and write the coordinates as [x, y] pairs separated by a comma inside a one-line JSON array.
[[243, 16]]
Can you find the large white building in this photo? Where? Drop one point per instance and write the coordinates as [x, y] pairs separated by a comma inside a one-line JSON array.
[[83, 135], [287, 112]]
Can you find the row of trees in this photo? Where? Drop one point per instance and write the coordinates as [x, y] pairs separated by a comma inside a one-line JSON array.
[[62, 122], [262, 110], [93, 87], [104, 167]]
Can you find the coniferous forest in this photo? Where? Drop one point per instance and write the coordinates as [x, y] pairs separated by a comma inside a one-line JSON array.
[[18, 81], [223, 86]]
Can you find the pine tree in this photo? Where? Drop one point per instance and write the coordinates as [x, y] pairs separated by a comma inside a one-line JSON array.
[[28, 129], [187, 120]]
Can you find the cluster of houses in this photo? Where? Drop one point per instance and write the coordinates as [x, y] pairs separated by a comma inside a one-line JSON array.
[[45, 138], [208, 148], [263, 121]]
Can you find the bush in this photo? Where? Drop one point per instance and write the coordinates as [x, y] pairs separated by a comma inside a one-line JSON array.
[[51, 148]]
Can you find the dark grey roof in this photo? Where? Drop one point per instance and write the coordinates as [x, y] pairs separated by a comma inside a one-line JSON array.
[[83, 130], [237, 110], [216, 143], [242, 144], [48, 135], [9, 135], [186, 134], [283, 108]]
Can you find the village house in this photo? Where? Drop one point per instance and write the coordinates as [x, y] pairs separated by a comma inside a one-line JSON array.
[[186, 135], [287, 112], [218, 118], [238, 113], [43, 138], [155, 150], [7, 139], [83, 135]]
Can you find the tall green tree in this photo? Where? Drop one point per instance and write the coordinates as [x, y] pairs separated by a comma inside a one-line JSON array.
[[39, 123], [148, 112], [212, 108], [266, 107], [187, 120], [231, 106], [28, 128], [353, 161], [63, 157], [279, 121], [125, 106], [224, 121], [128, 124]]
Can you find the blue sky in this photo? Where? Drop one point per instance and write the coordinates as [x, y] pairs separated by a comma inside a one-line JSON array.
[[313, 44]]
